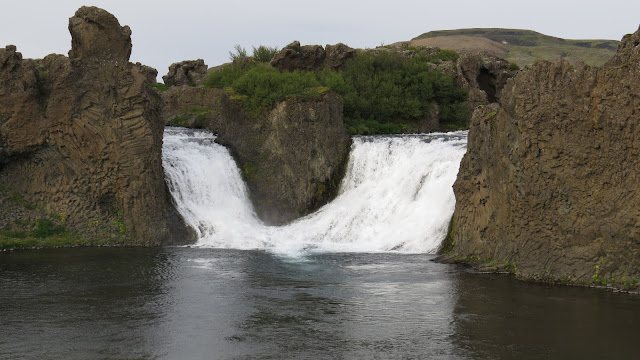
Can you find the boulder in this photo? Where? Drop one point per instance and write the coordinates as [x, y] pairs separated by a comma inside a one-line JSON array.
[[337, 55], [296, 57], [97, 34], [188, 72]]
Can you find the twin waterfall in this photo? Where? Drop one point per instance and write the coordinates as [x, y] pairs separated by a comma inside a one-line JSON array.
[[396, 196]]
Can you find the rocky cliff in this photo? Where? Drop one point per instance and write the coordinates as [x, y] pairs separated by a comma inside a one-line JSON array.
[[81, 137], [292, 157], [548, 188]]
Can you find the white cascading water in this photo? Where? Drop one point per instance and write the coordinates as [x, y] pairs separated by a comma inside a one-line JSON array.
[[396, 196]]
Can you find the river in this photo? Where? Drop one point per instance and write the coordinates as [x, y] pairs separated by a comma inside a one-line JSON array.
[[355, 280]]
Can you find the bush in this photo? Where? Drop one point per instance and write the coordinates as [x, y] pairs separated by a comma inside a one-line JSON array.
[[45, 228], [238, 53], [160, 87], [261, 86], [444, 55], [386, 88], [264, 53], [382, 91], [513, 67]]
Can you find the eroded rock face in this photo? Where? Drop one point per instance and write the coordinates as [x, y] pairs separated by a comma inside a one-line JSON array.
[[81, 137], [97, 34], [337, 55], [483, 74], [549, 183], [292, 157], [188, 72], [312, 57]]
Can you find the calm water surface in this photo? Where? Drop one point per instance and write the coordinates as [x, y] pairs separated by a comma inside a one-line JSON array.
[[183, 303]]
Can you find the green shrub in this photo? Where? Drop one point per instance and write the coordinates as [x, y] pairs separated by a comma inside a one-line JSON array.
[[444, 55], [264, 53], [387, 88], [513, 67], [160, 87], [238, 53], [45, 228], [382, 91]]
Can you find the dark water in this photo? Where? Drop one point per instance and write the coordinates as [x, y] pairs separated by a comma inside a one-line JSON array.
[[181, 303]]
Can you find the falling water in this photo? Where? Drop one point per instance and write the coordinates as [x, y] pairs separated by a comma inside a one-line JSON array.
[[396, 196]]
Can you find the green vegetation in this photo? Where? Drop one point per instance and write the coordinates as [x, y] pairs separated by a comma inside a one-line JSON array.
[[264, 53], [444, 55], [382, 91], [250, 171], [161, 87], [239, 53], [45, 228], [195, 117]]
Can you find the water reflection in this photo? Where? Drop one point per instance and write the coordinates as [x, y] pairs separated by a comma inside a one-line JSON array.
[[498, 317], [180, 303], [71, 304]]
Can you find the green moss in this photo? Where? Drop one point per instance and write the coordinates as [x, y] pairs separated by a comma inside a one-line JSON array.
[[250, 171], [448, 244], [490, 116], [161, 87]]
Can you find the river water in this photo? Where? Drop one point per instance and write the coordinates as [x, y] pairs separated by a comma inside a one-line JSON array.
[[354, 280], [194, 303]]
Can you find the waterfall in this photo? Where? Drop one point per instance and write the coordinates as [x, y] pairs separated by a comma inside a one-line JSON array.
[[396, 196]]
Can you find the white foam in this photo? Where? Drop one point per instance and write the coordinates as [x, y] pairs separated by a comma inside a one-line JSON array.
[[396, 196]]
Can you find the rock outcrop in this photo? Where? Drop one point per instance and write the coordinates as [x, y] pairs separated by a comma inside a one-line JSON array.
[[188, 72], [483, 74], [81, 137], [548, 188], [312, 57], [292, 157]]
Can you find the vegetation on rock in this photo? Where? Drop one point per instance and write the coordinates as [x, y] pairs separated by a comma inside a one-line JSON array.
[[383, 91]]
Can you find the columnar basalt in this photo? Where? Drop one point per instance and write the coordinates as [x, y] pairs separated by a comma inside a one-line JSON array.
[[81, 137], [548, 188]]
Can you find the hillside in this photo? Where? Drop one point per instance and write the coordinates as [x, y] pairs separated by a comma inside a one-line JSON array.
[[522, 47]]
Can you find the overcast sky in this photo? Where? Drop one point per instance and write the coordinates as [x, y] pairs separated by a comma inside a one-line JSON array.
[[169, 31]]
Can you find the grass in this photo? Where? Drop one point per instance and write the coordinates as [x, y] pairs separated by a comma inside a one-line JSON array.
[[20, 240], [522, 47]]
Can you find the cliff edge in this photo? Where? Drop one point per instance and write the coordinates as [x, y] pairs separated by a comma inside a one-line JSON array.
[[81, 137], [548, 188]]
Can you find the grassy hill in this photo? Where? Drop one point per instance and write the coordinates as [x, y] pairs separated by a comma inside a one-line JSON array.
[[520, 46]]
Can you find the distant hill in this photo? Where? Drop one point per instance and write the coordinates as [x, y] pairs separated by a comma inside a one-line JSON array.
[[520, 46]]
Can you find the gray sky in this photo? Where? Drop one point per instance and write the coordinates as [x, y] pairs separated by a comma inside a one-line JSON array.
[[169, 31]]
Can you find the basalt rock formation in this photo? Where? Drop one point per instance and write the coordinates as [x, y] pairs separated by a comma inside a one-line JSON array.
[[483, 74], [81, 137], [292, 157], [312, 57], [548, 188], [188, 72]]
